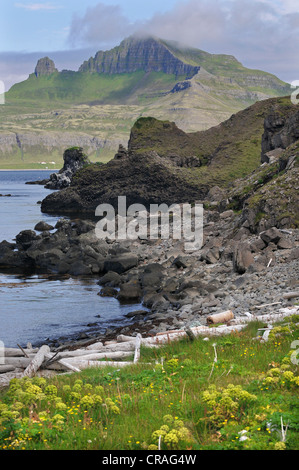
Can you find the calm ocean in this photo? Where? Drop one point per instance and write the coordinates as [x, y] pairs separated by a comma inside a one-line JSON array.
[[33, 309]]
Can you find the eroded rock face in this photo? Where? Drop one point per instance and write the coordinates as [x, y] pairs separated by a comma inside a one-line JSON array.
[[74, 160], [134, 54], [280, 131]]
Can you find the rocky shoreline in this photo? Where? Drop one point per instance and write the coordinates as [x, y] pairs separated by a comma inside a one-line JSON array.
[[234, 269]]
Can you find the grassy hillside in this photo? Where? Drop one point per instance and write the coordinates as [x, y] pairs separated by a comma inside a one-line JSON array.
[[223, 65], [90, 88], [231, 149], [181, 393]]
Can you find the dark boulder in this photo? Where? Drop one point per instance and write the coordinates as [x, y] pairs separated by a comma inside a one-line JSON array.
[[121, 264], [108, 292], [129, 292], [242, 258], [272, 235], [111, 279], [151, 277], [25, 239], [43, 226]]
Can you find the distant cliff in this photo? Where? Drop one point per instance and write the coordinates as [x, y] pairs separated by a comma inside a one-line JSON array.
[[135, 54]]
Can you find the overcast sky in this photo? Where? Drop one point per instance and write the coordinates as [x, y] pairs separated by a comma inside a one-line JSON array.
[[262, 34]]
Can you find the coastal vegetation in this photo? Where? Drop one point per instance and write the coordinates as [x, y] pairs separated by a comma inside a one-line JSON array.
[[233, 393]]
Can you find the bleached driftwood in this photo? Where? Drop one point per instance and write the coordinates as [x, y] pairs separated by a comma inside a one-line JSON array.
[[267, 305], [96, 346], [101, 355], [266, 333], [137, 348], [124, 338], [24, 362], [37, 361], [16, 352], [64, 364], [6, 368], [270, 317], [84, 364], [79, 353], [6, 378], [19, 362], [127, 346], [221, 317], [82, 358], [197, 331], [170, 332], [291, 295]]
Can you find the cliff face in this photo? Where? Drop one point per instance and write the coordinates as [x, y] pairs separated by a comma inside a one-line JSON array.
[[34, 146], [133, 54], [281, 129]]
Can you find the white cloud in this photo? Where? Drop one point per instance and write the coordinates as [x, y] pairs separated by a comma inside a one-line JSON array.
[[259, 33], [100, 25], [282, 7], [37, 6]]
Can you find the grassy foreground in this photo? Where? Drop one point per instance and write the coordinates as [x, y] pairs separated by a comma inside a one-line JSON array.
[[231, 392]]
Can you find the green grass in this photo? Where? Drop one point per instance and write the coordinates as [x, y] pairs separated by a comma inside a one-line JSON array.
[[203, 404], [79, 87]]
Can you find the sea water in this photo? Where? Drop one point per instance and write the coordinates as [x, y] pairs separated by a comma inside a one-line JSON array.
[[39, 308]]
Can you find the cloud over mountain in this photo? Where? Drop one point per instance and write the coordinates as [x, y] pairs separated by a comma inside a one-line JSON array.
[[257, 32]]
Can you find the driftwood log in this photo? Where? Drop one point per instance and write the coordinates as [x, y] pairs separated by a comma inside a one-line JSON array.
[[291, 295], [19, 362], [222, 317], [6, 368], [36, 362], [137, 348], [64, 364]]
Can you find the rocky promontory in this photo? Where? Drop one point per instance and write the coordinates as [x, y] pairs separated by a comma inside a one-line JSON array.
[[74, 159], [144, 179]]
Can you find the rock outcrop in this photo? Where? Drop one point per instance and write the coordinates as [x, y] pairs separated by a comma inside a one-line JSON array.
[[145, 179], [45, 66], [281, 129], [74, 160]]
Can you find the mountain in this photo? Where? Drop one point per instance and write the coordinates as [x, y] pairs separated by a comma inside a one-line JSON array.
[[133, 54], [96, 106]]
